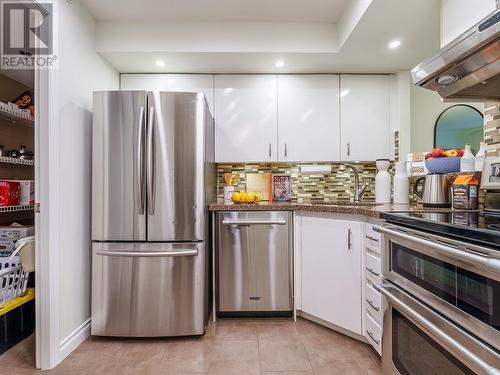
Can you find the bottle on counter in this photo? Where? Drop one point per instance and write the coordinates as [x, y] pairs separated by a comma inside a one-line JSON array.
[[480, 156], [401, 184], [383, 182], [467, 161]]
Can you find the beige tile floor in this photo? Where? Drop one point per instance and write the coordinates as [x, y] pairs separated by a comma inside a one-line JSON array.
[[230, 347]]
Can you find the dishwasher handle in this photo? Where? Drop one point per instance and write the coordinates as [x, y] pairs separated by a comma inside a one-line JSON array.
[[254, 222]]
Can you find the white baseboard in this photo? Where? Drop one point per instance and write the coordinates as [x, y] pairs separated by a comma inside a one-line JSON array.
[[74, 339]]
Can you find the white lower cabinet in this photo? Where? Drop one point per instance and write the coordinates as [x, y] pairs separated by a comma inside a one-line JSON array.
[[373, 311], [331, 281]]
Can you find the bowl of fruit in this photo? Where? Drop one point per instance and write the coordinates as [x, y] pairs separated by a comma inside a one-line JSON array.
[[444, 161], [243, 197]]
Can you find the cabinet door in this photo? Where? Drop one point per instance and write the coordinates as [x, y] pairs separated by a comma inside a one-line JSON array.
[[146, 82], [194, 83], [365, 117], [331, 271], [246, 118], [308, 118]]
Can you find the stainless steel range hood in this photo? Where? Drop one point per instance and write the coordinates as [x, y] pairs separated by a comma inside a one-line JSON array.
[[468, 68]]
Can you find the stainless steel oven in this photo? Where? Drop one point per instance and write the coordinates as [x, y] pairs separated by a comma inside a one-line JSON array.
[[443, 304]]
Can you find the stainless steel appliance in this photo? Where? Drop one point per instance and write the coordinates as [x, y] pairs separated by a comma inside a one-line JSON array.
[[443, 300], [435, 191], [468, 67], [254, 263], [153, 173], [490, 182]]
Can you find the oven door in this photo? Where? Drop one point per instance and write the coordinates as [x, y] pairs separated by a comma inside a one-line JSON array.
[[461, 281], [419, 341]]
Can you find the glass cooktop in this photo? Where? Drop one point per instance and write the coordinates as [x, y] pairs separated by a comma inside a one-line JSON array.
[[472, 226]]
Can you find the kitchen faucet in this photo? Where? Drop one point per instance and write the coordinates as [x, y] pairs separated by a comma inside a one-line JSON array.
[[358, 191]]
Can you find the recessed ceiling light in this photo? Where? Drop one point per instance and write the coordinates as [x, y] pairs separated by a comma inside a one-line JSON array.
[[160, 63], [394, 44], [279, 64]]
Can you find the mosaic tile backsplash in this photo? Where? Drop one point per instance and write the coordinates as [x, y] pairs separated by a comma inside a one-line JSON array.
[[337, 186]]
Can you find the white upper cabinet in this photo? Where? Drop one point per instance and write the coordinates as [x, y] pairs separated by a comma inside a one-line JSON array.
[[457, 16], [365, 117], [194, 83], [331, 284], [172, 82], [308, 118], [246, 118], [147, 82]]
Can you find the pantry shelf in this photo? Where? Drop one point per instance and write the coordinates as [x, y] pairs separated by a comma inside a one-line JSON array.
[[16, 119], [19, 207], [5, 159]]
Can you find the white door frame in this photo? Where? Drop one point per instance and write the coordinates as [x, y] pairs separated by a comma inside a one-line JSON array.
[[46, 220]]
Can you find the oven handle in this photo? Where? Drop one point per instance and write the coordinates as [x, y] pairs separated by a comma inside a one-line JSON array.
[[436, 331], [491, 264]]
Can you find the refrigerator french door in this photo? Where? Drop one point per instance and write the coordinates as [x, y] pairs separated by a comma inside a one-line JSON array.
[[152, 165]]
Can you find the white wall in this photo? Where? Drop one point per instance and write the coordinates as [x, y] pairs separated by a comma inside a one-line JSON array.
[[459, 15], [426, 106], [81, 71]]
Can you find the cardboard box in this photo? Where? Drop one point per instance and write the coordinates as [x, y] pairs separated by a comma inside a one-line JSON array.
[[7, 247], [26, 191], [16, 232]]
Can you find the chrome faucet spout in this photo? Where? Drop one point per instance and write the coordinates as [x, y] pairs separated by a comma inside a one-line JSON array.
[[358, 191]]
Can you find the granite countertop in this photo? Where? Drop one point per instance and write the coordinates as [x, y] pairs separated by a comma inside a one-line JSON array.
[[365, 208]]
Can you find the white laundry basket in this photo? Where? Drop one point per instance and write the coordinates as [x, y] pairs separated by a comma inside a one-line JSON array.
[[25, 248], [13, 279]]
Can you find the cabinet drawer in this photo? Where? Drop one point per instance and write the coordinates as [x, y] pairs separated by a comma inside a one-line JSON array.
[[373, 267], [373, 333], [373, 302], [372, 239]]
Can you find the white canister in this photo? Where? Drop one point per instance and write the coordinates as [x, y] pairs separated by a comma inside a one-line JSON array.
[[228, 193], [401, 184], [468, 161], [383, 182]]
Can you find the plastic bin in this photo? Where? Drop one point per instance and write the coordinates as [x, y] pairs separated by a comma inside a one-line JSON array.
[[13, 279], [17, 320]]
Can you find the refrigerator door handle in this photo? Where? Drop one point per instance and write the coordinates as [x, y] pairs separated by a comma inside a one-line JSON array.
[[151, 163], [183, 253], [139, 180]]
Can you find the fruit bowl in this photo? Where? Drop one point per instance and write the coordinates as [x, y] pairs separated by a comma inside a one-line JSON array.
[[443, 165]]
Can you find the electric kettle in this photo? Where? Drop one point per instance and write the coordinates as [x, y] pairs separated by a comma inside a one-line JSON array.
[[435, 191]]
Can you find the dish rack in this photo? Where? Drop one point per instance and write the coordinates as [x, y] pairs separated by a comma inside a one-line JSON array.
[[13, 279]]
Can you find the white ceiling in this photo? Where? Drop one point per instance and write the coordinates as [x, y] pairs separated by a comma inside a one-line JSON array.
[[252, 35], [218, 10]]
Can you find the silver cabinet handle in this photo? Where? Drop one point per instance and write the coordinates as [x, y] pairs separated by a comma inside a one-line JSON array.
[[348, 148], [254, 222], [286, 152], [372, 304], [269, 150], [139, 178], [373, 337], [490, 264], [372, 238], [349, 233], [150, 254], [372, 271], [151, 163], [434, 327]]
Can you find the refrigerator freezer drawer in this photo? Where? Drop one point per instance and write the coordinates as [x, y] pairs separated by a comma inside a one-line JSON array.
[[254, 261], [149, 289]]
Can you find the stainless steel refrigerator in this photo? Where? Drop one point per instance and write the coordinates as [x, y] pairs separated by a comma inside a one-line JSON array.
[[153, 174]]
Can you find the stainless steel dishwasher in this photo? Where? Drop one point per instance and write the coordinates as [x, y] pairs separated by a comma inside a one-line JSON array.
[[254, 263]]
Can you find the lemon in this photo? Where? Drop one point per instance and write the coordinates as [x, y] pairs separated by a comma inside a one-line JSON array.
[[236, 197], [258, 196]]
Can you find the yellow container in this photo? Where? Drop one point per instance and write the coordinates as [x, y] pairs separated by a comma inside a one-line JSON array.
[[18, 301]]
